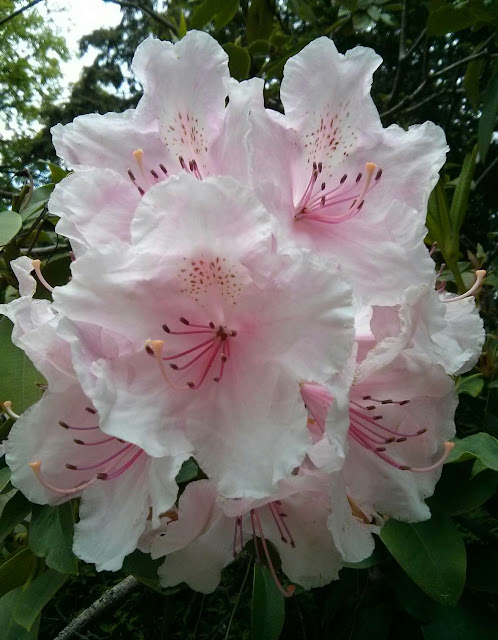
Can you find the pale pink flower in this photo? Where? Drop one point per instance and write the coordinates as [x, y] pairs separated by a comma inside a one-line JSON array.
[[208, 532], [180, 124], [56, 450], [400, 414], [231, 329], [340, 183]]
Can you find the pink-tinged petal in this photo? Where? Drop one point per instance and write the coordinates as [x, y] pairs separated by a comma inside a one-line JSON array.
[[108, 142], [196, 510], [112, 514], [163, 490], [185, 88], [22, 268], [460, 342], [324, 90], [200, 563], [37, 435], [352, 534], [94, 206], [412, 401]]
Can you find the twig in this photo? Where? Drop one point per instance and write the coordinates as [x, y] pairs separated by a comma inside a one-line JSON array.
[[416, 43], [406, 99], [485, 172], [19, 11], [474, 56], [110, 598], [401, 56], [152, 14], [414, 107], [238, 598]]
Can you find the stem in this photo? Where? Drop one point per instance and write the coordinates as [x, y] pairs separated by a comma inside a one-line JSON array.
[[109, 599], [19, 11]]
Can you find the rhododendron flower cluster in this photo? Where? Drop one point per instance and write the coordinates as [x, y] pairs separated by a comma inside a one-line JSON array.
[[252, 290]]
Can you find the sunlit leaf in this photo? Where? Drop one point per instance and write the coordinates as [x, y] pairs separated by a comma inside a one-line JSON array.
[[481, 446], [10, 223]]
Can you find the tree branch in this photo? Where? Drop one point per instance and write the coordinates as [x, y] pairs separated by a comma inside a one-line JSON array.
[[19, 11], [401, 56], [110, 598], [149, 12], [435, 74]]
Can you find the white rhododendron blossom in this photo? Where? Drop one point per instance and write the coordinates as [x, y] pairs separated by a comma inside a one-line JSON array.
[[251, 290], [337, 181], [59, 442]]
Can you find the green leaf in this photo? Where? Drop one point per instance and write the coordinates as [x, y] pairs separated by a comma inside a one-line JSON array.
[[239, 61], [372, 561], [38, 200], [458, 491], [51, 536], [303, 10], [471, 82], [15, 571], [10, 629], [487, 120], [260, 20], [188, 472], [18, 377], [432, 553], [32, 598], [481, 446], [449, 19], [57, 173], [462, 192], [10, 223], [220, 12], [471, 385], [4, 477], [267, 607], [14, 512], [182, 29], [460, 624]]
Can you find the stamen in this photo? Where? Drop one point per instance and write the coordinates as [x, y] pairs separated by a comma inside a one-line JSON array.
[[289, 591], [448, 447], [480, 275], [95, 465], [67, 426], [36, 467], [196, 385], [433, 248], [36, 266], [277, 505], [197, 357], [121, 470], [156, 347], [277, 522], [184, 353], [96, 442], [7, 409]]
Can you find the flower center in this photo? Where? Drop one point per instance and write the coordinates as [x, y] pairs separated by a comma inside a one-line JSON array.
[[115, 461], [369, 432], [278, 516], [324, 203], [147, 177], [215, 347]]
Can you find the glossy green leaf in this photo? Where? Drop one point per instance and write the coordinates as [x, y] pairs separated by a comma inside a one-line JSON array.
[[471, 385], [267, 607], [10, 223], [260, 20], [487, 120], [239, 61], [449, 19], [432, 553], [303, 10], [471, 82], [188, 472], [481, 446], [458, 491], [32, 598], [57, 173], [51, 536], [220, 12], [18, 377], [4, 477], [14, 512], [182, 29], [462, 192], [460, 624], [16, 570], [11, 630]]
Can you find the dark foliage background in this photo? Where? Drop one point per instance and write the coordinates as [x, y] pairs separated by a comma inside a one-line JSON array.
[[440, 64]]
